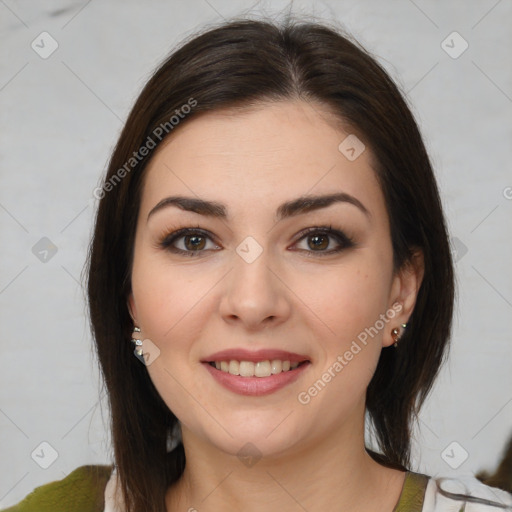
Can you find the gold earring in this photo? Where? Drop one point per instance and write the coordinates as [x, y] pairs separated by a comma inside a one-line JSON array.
[[395, 334]]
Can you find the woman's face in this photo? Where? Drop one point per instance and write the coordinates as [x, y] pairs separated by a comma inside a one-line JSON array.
[[259, 284]]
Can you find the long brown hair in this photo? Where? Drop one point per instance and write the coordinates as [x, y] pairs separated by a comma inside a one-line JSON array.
[[236, 64]]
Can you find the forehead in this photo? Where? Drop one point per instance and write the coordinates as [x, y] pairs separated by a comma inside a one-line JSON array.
[[254, 157]]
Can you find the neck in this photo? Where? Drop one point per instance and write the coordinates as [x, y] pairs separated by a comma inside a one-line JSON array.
[[333, 473]]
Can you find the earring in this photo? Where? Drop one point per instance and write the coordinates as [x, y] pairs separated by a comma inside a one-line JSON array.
[[395, 334], [136, 341]]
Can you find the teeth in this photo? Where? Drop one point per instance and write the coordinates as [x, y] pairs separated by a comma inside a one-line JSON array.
[[259, 369], [246, 369], [262, 369], [234, 367], [276, 366]]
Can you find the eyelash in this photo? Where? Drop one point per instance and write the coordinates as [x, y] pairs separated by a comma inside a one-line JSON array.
[[344, 241]]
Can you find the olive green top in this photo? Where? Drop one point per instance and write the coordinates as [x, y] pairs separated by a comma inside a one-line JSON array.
[[83, 490], [413, 493]]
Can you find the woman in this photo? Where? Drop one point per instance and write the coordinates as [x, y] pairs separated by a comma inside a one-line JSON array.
[[270, 262]]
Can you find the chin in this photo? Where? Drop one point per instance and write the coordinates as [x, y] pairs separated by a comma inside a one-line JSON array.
[[262, 435]]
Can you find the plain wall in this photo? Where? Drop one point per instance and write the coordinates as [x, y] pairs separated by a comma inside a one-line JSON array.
[[60, 118]]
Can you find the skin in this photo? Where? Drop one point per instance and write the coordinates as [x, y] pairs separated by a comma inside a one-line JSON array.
[[291, 298]]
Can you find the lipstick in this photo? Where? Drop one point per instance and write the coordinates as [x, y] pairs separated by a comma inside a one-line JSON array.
[[236, 369]]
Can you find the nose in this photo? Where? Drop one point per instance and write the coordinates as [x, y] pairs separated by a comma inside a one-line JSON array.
[[255, 295]]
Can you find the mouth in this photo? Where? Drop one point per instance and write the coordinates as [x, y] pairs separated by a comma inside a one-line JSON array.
[[260, 369], [255, 373]]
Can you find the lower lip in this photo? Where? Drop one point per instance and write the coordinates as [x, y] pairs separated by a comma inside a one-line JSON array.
[[255, 386]]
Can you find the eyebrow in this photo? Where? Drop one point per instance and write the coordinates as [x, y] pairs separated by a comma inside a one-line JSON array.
[[302, 204]]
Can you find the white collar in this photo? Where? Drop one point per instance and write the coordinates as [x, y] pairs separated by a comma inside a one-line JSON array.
[[113, 498], [435, 501]]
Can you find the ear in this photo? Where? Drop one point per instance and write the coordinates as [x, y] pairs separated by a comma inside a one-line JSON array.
[[404, 292], [132, 308]]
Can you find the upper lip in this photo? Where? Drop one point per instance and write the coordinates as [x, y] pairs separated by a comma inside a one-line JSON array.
[[239, 354]]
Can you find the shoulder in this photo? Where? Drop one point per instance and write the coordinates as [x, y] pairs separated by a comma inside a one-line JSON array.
[[464, 493], [83, 490]]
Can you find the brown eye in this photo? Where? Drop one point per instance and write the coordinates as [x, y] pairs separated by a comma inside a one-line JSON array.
[[319, 239], [194, 242], [187, 241]]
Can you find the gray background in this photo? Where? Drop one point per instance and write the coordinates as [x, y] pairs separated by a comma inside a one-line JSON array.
[[60, 118]]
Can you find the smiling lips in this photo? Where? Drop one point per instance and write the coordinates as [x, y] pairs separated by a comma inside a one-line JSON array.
[[255, 372], [259, 369]]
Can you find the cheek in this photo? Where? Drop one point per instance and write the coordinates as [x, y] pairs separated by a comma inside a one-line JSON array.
[[167, 297], [348, 305], [171, 306], [347, 298]]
